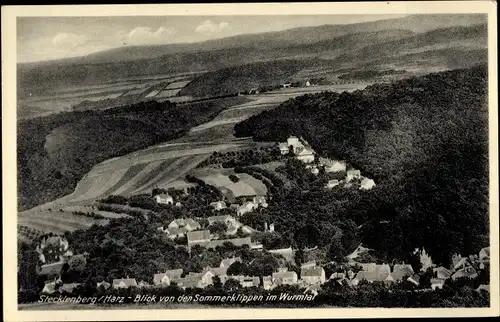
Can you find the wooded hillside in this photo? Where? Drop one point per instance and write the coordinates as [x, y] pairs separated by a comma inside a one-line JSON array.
[[424, 141]]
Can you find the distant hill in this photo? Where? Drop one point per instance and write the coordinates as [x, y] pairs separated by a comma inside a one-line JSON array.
[[289, 37], [447, 47]]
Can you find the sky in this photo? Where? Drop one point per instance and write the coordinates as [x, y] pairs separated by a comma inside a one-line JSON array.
[[47, 38]]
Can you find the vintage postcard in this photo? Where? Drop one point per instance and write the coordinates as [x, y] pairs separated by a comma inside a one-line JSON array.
[[270, 160]]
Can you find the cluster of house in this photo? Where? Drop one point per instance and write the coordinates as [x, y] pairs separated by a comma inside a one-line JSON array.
[[191, 228], [303, 152], [166, 199], [352, 177], [245, 207], [311, 276], [53, 253], [462, 267]]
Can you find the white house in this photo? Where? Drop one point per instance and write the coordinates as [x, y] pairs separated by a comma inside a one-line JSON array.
[[336, 166], [295, 142], [313, 275], [164, 199], [305, 155], [352, 175], [367, 184], [308, 83], [332, 183], [284, 149], [124, 283], [247, 206], [218, 205]]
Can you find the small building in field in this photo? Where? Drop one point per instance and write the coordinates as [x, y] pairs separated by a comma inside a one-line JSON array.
[[284, 277], [177, 223], [353, 175], [164, 199], [294, 142], [226, 219], [267, 282], [218, 205], [246, 207], [124, 283], [104, 284], [437, 283], [49, 288], [367, 184], [332, 183], [284, 148], [313, 275], [174, 233], [332, 165], [305, 155]]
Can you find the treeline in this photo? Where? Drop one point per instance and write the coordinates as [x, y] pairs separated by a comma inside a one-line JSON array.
[[424, 139], [54, 152], [370, 74]]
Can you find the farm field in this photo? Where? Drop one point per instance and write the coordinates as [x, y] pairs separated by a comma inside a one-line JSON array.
[[164, 165], [57, 221], [64, 99]]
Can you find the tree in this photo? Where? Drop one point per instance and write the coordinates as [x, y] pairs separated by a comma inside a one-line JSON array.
[[217, 227], [232, 285], [236, 268], [77, 263]]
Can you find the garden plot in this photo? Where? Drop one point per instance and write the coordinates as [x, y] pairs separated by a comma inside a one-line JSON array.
[[246, 186]]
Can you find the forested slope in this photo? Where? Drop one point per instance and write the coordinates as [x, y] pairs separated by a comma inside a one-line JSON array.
[[424, 140], [54, 152]]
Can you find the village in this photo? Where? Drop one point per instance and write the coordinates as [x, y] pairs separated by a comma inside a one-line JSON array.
[[223, 228]]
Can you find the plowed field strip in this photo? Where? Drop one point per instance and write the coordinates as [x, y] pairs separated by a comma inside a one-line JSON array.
[[164, 167], [129, 174], [144, 172], [174, 172]]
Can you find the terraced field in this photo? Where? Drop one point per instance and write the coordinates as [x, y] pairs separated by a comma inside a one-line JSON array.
[[162, 166]]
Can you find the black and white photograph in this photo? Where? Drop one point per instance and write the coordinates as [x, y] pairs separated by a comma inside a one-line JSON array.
[[230, 160]]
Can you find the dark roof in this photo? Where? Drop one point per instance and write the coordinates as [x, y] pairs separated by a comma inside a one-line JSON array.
[[198, 235], [52, 269], [311, 271], [234, 241]]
